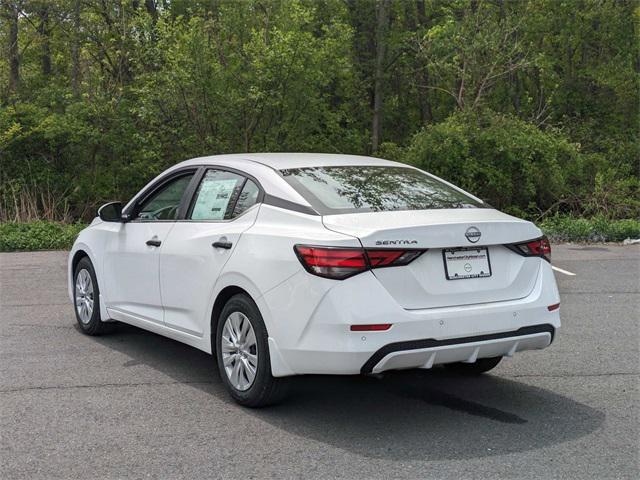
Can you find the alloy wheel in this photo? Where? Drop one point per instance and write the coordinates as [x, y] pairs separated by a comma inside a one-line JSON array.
[[239, 351], [84, 296]]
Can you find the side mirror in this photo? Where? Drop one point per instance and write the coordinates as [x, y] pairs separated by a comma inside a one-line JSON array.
[[111, 212]]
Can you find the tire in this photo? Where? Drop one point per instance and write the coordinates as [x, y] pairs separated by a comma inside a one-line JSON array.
[[481, 365], [239, 348], [86, 299]]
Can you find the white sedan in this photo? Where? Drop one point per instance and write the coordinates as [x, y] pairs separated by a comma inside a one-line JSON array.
[[292, 264]]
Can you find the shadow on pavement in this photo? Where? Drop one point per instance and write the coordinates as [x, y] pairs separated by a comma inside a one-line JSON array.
[[408, 415]]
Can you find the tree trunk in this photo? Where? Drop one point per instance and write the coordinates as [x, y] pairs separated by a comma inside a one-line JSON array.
[[459, 85], [152, 9], [381, 51], [75, 51], [515, 82], [43, 30], [422, 12], [14, 52], [426, 114]]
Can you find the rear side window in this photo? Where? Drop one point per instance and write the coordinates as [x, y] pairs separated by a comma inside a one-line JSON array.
[[223, 195], [248, 197], [216, 195], [350, 189]]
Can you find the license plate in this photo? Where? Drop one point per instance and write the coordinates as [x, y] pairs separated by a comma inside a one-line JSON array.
[[461, 263]]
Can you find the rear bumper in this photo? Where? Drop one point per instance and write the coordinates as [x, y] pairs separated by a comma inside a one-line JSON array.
[[428, 352], [308, 319]]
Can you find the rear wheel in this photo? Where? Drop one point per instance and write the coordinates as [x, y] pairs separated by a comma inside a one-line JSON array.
[[242, 351], [476, 368], [86, 299]]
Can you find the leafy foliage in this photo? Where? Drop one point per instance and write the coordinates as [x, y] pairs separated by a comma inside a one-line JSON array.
[[508, 162], [39, 235], [597, 229], [530, 104]]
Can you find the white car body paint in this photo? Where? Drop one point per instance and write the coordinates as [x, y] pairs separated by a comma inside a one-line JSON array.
[[171, 289]]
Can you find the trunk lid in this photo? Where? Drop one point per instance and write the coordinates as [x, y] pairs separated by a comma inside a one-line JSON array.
[[424, 283]]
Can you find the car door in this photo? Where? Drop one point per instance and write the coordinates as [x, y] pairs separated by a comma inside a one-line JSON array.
[[224, 205], [132, 254]]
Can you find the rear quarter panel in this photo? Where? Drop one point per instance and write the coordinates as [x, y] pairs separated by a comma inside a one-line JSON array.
[[264, 257]]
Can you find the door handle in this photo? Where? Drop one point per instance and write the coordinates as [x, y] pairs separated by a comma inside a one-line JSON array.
[[225, 245], [154, 243]]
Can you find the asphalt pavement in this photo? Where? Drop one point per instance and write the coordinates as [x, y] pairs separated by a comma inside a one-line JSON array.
[[137, 405]]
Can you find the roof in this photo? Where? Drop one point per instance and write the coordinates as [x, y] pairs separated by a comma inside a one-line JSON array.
[[264, 166], [281, 161]]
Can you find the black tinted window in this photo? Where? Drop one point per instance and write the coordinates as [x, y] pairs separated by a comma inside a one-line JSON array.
[[333, 190], [247, 198], [163, 204]]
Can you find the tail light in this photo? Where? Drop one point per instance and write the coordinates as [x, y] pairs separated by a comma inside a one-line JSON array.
[[392, 258], [337, 263], [340, 263], [539, 247]]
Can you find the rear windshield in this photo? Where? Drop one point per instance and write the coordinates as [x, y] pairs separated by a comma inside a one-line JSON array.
[[350, 189]]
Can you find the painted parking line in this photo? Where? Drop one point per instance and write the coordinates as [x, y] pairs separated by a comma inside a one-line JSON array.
[[563, 271]]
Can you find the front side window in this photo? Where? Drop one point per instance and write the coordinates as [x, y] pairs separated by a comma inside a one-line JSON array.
[[164, 203], [367, 188], [217, 195]]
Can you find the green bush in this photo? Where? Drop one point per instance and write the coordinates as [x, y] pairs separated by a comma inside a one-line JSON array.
[[598, 229], [38, 235], [510, 163]]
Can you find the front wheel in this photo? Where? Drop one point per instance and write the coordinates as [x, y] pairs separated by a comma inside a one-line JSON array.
[[242, 351], [481, 365], [86, 299]]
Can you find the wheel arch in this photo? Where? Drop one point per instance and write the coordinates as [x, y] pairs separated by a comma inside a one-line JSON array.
[[223, 297], [81, 250], [279, 367], [78, 252], [77, 256]]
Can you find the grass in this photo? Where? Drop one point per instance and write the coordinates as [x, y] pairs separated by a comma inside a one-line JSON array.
[[593, 230], [38, 235], [43, 235]]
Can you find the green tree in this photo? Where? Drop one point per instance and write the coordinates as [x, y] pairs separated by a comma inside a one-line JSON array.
[[531, 103]]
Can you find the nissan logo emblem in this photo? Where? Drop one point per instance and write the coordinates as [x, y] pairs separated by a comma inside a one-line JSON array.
[[472, 234]]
